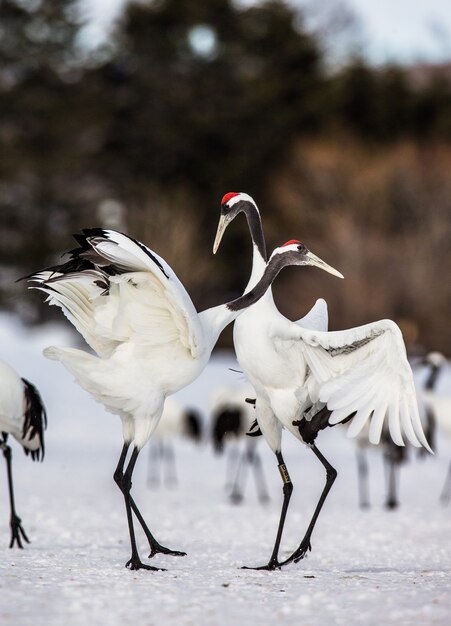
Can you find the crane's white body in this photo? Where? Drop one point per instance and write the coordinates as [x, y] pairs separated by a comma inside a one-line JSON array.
[[148, 337], [297, 365], [12, 407]]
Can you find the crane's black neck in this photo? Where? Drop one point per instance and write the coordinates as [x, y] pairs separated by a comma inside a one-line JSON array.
[[256, 229], [248, 299]]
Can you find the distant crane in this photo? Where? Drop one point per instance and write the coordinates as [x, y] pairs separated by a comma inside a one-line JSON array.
[[307, 379], [437, 408], [232, 419], [149, 340], [22, 415], [177, 421], [393, 456]]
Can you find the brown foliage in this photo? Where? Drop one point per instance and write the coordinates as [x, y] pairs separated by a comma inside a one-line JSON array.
[[383, 218]]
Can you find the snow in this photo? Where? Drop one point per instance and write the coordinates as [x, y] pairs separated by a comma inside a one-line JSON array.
[[366, 567]]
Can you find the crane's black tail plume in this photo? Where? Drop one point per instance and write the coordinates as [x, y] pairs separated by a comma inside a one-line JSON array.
[[193, 424], [226, 421], [35, 419]]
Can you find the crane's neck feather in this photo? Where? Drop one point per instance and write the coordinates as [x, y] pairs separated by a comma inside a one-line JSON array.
[[258, 268], [214, 320], [256, 229], [259, 289], [259, 255]]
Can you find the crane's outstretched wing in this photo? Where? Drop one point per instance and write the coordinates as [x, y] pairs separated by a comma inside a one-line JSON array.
[[363, 371], [114, 289]]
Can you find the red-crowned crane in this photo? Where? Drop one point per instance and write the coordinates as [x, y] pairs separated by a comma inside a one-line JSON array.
[[22, 415], [232, 428], [307, 379], [148, 339]]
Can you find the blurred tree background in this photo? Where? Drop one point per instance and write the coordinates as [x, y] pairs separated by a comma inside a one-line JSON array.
[[190, 99]]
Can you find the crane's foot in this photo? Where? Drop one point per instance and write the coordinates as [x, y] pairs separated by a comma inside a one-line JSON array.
[[300, 553], [236, 497], [270, 567], [156, 548], [391, 505], [18, 533], [134, 564]]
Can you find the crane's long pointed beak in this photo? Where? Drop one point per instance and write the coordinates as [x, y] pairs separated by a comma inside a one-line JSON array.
[[312, 259], [223, 223]]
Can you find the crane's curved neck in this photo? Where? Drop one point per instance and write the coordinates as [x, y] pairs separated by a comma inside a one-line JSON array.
[[256, 229], [255, 293], [259, 256], [214, 320]]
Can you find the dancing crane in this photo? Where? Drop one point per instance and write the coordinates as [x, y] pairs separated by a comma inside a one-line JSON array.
[[149, 340], [307, 379], [22, 415]]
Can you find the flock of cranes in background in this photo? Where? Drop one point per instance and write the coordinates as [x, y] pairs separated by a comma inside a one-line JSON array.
[[148, 342], [227, 429]]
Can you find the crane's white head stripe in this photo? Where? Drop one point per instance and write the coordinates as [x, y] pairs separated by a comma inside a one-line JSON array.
[[233, 197]]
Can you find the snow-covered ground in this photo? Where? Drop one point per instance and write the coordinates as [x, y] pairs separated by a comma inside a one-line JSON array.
[[366, 567]]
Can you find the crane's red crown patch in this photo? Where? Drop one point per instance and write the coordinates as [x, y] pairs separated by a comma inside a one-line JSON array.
[[290, 243], [229, 196]]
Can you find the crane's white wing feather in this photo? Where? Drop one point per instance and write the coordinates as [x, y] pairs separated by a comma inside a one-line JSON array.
[[142, 300], [79, 295], [363, 371], [317, 318]]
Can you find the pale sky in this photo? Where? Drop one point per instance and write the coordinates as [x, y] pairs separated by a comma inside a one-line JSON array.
[[394, 30], [406, 30]]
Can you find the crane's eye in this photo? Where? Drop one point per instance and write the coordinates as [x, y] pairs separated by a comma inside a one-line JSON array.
[[301, 247]]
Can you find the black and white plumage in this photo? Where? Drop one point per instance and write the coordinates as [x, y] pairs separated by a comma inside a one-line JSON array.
[[148, 339], [233, 430], [23, 416], [307, 379]]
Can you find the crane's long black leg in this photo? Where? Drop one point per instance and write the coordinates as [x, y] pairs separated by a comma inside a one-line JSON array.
[[362, 477], [262, 489], [134, 562], [169, 454], [287, 491], [331, 474], [445, 496], [154, 465], [119, 477], [17, 531], [391, 479], [237, 492], [231, 463]]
